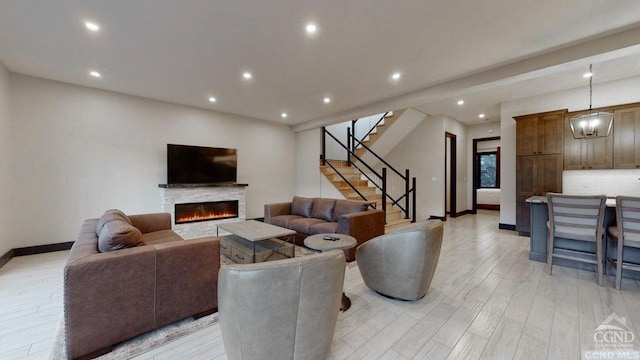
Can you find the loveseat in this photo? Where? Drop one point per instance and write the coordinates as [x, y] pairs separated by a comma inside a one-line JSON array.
[[309, 216], [145, 277]]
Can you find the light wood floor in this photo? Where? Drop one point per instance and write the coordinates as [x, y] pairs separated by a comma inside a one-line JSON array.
[[487, 301]]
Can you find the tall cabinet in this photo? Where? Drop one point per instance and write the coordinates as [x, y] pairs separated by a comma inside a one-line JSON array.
[[539, 160], [626, 138]]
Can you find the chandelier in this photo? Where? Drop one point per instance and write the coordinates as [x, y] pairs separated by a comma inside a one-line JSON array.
[[593, 124]]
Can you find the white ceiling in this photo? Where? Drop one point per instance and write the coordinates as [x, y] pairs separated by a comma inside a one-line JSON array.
[[186, 51]]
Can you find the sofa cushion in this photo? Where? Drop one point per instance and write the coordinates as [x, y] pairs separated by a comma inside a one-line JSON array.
[[323, 208], [302, 225], [347, 207], [118, 234], [301, 206], [111, 215], [159, 237], [283, 220], [323, 228]]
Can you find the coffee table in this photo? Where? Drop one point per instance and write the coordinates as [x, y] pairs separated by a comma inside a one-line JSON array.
[[344, 242], [256, 231]]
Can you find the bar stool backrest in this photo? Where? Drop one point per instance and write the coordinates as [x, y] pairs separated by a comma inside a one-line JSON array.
[[628, 218], [576, 217]]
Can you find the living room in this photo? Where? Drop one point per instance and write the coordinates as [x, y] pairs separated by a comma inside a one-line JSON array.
[[73, 145]]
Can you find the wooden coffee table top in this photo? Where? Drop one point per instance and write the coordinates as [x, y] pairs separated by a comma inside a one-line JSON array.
[[253, 230], [317, 242]]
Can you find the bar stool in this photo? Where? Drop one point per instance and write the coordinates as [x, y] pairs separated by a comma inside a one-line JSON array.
[[578, 218], [625, 235]]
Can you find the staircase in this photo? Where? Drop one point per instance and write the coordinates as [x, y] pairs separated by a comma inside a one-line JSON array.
[[394, 216], [366, 176], [377, 132]]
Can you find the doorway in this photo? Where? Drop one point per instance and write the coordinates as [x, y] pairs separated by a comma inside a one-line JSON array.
[[486, 172], [450, 174]]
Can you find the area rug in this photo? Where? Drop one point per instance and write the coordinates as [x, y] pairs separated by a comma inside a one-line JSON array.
[[154, 339], [140, 344]]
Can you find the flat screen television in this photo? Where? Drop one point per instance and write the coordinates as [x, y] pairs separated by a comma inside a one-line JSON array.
[[200, 165]]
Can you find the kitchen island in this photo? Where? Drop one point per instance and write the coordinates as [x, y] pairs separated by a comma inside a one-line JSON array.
[[538, 239]]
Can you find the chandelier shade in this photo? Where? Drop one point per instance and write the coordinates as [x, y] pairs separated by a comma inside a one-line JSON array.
[[593, 124]]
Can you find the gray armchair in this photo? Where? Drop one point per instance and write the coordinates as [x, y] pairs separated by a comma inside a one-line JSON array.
[[401, 263], [283, 309]]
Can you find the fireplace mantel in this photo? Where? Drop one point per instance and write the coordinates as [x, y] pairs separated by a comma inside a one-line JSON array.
[[170, 195], [184, 186]]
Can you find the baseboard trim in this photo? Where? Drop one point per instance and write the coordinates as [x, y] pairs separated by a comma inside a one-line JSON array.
[[41, 249], [6, 257], [433, 217], [466, 212], [502, 226]]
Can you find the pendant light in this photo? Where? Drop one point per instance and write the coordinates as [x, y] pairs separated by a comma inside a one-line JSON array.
[[593, 124]]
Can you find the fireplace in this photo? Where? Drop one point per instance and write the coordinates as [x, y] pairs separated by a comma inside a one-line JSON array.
[[205, 211]]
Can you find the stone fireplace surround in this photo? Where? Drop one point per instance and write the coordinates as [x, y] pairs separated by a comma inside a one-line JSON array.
[[171, 194]]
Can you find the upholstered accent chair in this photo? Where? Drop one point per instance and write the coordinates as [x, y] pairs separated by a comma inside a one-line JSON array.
[[625, 236], [284, 309], [572, 219], [401, 263]]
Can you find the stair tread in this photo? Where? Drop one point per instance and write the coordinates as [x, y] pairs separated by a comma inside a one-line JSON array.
[[399, 221]]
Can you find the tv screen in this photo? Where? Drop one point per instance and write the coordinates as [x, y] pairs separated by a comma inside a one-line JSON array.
[[200, 165]]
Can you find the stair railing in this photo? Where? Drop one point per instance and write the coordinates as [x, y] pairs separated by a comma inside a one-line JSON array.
[[405, 178], [379, 180], [353, 127]]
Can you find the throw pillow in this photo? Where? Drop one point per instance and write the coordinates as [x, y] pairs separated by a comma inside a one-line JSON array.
[[111, 215], [347, 207], [118, 234], [301, 206], [323, 208]]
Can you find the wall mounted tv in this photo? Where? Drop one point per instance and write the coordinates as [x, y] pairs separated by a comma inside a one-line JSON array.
[[200, 165]]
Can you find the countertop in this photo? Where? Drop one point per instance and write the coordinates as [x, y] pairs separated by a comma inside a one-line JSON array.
[[611, 201]]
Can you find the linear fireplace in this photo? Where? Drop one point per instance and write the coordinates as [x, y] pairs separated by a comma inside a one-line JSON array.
[[205, 211]]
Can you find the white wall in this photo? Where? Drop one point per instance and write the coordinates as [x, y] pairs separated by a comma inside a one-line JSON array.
[[310, 182], [601, 182], [5, 163], [422, 151], [460, 130], [606, 94], [78, 151]]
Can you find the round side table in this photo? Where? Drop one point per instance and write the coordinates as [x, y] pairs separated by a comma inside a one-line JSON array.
[[344, 242]]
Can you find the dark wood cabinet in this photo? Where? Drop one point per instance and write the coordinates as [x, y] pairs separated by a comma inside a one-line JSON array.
[[585, 154], [626, 138], [539, 134], [539, 162]]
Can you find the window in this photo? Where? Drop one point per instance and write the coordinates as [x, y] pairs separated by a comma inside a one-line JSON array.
[[489, 169]]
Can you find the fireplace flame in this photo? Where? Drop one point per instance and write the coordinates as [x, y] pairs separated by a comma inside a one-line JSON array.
[[209, 216]]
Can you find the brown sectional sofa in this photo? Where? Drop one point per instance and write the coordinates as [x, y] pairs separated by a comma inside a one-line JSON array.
[[308, 216], [113, 296]]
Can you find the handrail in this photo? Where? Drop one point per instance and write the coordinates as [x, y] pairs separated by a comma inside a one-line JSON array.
[[345, 179], [374, 126], [379, 158], [352, 143], [349, 152]]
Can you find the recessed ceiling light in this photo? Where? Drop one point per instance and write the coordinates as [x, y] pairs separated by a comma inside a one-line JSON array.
[[327, 100], [587, 75], [395, 76], [212, 99], [481, 116], [460, 102], [247, 75], [91, 26], [95, 74], [284, 115], [311, 28]]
